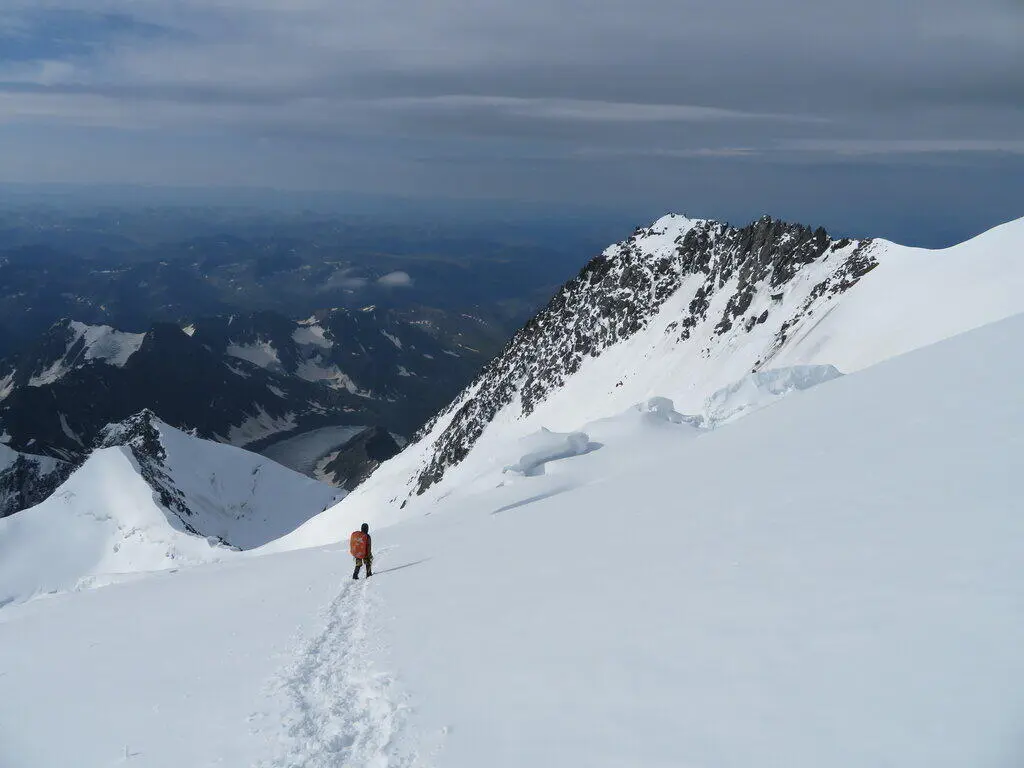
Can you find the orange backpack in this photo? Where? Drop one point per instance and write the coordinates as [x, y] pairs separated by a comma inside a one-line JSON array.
[[357, 544]]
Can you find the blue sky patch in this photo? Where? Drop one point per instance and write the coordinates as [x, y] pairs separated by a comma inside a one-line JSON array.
[[63, 34]]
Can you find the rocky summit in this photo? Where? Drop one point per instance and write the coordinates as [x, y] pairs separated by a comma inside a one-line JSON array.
[[767, 274]]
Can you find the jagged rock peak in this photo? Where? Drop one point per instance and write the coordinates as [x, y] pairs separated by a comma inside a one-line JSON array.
[[137, 431], [721, 269]]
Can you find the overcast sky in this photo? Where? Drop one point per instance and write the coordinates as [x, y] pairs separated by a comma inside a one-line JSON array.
[[874, 115]]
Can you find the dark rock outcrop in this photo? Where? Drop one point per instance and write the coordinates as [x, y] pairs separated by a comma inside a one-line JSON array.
[[29, 480], [359, 457], [618, 293]]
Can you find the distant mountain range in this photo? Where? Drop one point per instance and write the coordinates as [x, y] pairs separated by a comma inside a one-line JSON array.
[[130, 266], [249, 381]]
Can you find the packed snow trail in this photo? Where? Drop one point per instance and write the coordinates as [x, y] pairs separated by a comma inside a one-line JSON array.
[[343, 713]]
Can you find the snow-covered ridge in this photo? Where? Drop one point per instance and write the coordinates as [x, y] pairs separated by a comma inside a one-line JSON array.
[[101, 524], [682, 284], [687, 307], [84, 343], [151, 497], [217, 490]]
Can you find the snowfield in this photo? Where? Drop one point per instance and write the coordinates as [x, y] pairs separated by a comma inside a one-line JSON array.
[[311, 334], [834, 580], [107, 523], [681, 310], [103, 522], [259, 427], [260, 353], [756, 390], [99, 342]]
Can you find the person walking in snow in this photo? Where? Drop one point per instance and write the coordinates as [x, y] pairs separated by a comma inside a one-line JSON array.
[[359, 546]]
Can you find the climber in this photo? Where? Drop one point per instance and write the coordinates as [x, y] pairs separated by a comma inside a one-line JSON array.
[[359, 546]]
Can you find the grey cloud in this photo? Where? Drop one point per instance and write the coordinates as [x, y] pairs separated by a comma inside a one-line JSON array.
[[735, 56], [905, 146], [581, 110]]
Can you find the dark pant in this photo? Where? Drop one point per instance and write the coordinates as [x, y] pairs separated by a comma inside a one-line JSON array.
[[359, 564]]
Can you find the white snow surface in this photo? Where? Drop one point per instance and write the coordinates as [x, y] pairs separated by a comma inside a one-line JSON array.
[[916, 297], [758, 390], [314, 370], [105, 522], [832, 581], [392, 338], [242, 497], [101, 342], [6, 385], [311, 335], [261, 353], [544, 446], [104, 343], [100, 524], [259, 426]]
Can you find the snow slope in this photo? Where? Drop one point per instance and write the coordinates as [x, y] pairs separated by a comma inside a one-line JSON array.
[[918, 296], [86, 343], [103, 522], [912, 298], [260, 353], [174, 670], [688, 307], [835, 580], [155, 498], [243, 498], [756, 390]]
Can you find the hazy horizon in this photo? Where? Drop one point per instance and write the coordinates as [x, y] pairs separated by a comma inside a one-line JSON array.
[[922, 229]]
